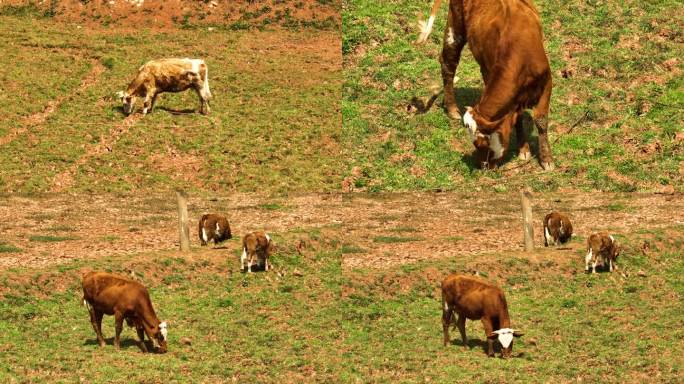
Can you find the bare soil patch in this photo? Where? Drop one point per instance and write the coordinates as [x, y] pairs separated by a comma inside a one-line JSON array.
[[372, 231], [161, 14]]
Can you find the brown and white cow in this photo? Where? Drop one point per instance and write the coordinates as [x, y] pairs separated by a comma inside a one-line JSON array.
[[256, 247], [106, 293], [557, 229], [505, 37], [213, 227], [476, 299], [603, 248], [167, 75]]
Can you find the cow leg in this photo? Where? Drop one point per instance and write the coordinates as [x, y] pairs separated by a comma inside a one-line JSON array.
[[523, 145], [147, 104], [461, 328], [204, 102], [96, 321], [540, 115], [487, 323], [141, 337], [266, 264], [154, 100], [451, 54], [118, 327], [447, 314], [250, 261]]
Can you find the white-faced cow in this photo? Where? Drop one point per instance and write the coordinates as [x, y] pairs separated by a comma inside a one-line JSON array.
[[506, 39], [167, 75], [108, 294], [476, 299]]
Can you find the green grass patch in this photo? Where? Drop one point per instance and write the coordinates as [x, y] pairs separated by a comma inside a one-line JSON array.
[[49, 239], [396, 239], [8, 248]]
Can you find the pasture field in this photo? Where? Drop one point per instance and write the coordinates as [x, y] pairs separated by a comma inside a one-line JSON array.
[[344, 304], [274, 126], [617, 109]]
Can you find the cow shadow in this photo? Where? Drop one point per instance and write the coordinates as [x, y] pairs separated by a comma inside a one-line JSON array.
[[464, 97], [126, 342], [482, 344], [186, 111]]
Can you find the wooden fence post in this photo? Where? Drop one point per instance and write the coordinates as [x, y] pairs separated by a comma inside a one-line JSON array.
[[528, 229], [183, 227]]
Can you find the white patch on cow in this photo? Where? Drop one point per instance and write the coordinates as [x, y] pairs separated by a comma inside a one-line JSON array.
[[612, 240], [505, 336], [120, 94], [587, 259], [217, 231], [495, 145], [450, 37], [562, 232], [547, 235], [87, 305], [204, 235], [163, 329], [268, 238], [470, 124], [154, 343], [243, 258], [145, 111], [446, 306]]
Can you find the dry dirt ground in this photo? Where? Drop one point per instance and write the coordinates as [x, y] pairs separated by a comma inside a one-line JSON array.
[[372, 231], [169, 13]]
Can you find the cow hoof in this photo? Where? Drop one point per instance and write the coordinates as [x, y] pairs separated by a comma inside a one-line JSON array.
[[452, 113], [548, 166], [525, 155]]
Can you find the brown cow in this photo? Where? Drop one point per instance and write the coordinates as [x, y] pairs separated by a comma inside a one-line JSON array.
[[167, 75], [256, 246], [106, 293], [474, 298], [505, 37], [213, 227], [601, 247], [557, 229]]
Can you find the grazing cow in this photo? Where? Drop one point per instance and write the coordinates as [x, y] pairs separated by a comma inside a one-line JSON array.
[[557, 229], [505, 37], [604, 248], [474, 298], [167, 75], [105, 293], [213, 227], [256, 246]]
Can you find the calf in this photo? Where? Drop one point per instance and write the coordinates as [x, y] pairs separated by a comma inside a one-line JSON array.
[[604, 248], [474, 298], [167, 75], [213, 227], [506, 40], [105, 293], [256, 246], [557, 229]]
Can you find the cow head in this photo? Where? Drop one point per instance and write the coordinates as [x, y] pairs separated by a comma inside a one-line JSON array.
[[127, 100], [489, 147], [505, 337], [158, 335]]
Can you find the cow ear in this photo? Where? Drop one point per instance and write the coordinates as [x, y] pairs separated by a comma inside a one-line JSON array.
[[517, 333], [493, 335]]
